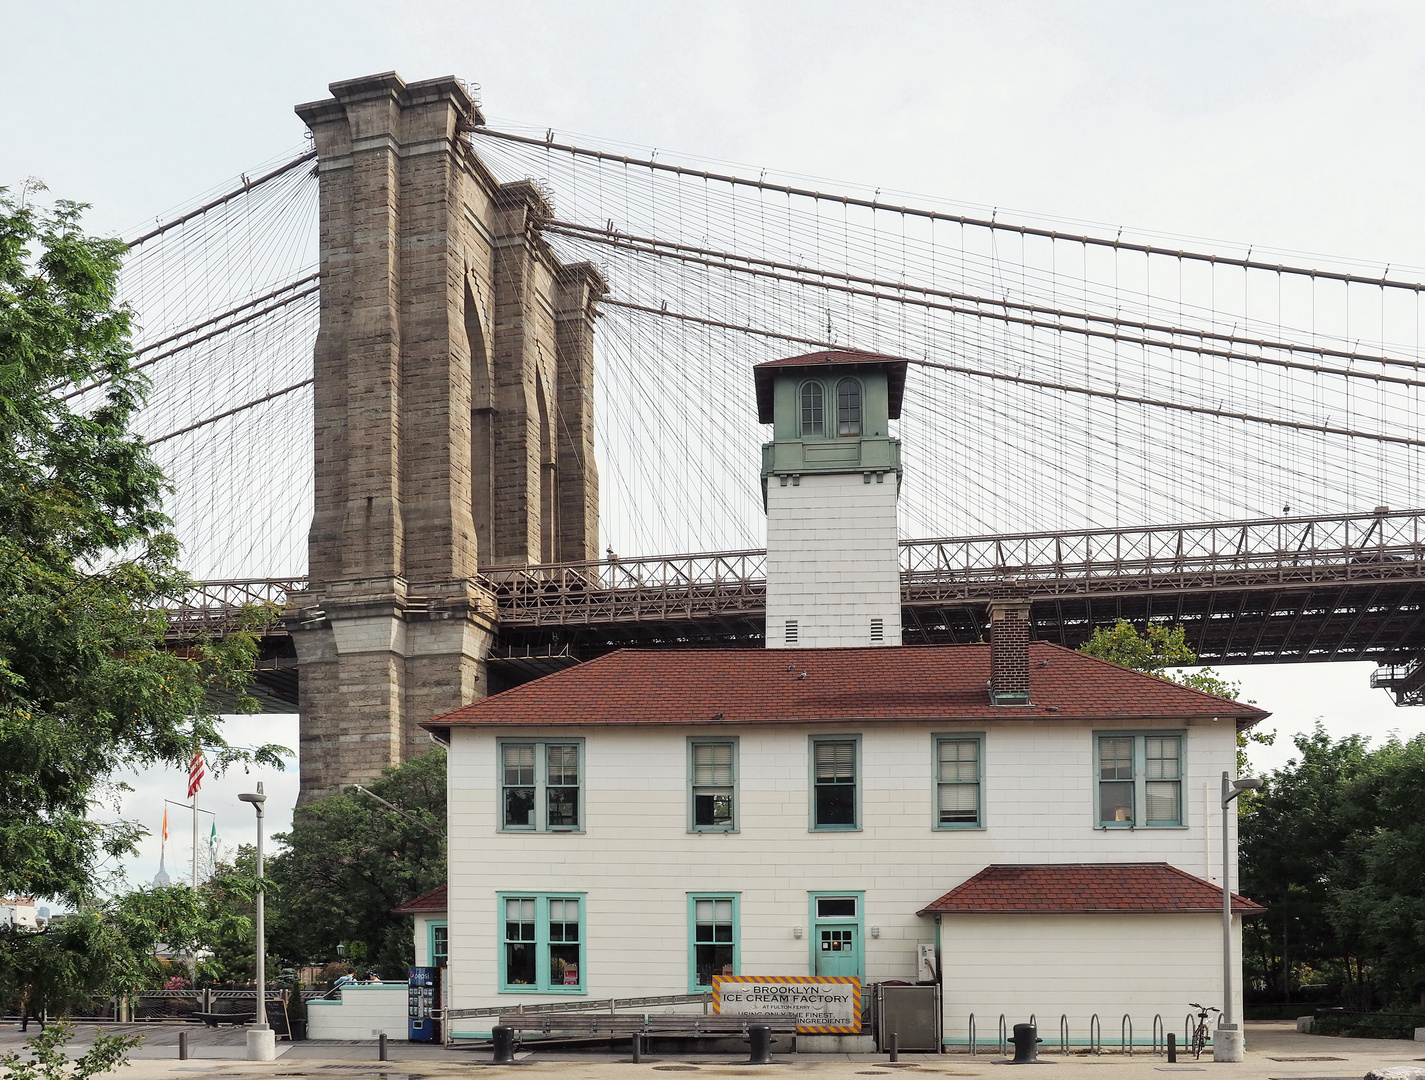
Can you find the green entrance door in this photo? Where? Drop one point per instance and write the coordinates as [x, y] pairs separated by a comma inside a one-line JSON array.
[[837, 951]]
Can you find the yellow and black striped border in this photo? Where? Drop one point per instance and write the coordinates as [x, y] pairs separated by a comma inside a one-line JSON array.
[[719, 980]]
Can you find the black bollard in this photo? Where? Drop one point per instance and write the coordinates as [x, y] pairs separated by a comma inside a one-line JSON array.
[[1026, 1044], [637, 1047], [892, 1041], [381, 1047], [760, 1036], [1172, 1047], [504, 1039], [183, 1046]]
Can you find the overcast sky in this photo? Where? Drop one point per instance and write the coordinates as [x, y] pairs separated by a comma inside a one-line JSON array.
[[1291, 126]]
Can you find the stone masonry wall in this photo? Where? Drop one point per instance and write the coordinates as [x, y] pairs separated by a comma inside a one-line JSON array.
[[454, 355]]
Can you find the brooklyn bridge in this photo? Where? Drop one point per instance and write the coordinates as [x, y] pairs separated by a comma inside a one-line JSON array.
[[442, 398]]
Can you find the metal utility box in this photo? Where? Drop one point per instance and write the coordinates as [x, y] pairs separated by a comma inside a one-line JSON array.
[[912, 1012], [423, 1012]]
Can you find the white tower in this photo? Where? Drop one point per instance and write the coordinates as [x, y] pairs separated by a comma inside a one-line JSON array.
[[830, 479]]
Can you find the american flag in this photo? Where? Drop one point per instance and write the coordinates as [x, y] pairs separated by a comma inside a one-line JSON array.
[[195, 773]]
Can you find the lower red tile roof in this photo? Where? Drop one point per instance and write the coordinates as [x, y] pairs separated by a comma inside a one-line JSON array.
[[1085, 888], [424, 904], [749, 686]]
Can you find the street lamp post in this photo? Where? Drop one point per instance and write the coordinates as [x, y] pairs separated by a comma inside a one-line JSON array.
[[261, 1039], [1227, 1044]]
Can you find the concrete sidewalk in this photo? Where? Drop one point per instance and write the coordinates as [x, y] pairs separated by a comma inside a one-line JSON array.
[[1275, 1051]]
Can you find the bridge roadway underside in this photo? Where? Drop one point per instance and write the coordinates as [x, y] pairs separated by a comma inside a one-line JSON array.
[[1378, 621]]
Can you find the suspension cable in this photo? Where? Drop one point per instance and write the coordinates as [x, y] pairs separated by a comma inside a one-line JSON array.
[[731, 261], [1043, 384], [959, 219], [230, 412], [247, 186], [1020, 320]]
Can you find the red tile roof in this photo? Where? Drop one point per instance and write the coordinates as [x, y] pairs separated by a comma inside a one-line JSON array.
[[1070, 888], [424, 904], [895, 368], [890, 683]]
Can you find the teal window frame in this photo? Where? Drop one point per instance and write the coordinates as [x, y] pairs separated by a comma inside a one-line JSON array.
[[541, 785], [541, 941], [431, 928], [802, 432], [695, 741], [1140, 780], [812, 742], [816, 925], [694, 986], [978, 738]]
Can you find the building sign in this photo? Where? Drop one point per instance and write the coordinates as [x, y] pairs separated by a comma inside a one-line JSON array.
[[822, 1004]]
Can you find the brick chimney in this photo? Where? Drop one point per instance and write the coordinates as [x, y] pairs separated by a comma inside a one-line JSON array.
[[1009, 645]]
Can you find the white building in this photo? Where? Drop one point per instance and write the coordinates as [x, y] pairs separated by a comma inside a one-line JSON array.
[[1048, 823], [19, 911]]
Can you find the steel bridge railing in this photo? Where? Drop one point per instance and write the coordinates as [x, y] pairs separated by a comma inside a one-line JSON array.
[[1381, 547]]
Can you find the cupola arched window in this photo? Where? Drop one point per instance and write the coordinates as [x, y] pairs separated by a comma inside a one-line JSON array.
[[848, 407], [813, 410]]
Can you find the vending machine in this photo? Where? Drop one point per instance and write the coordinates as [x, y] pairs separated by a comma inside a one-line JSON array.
[[423, 1013]]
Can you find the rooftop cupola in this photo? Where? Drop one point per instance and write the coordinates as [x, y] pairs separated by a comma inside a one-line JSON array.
[[830, 478]]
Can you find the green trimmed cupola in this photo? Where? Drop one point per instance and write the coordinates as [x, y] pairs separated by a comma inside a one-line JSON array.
[[830, 480], [830, 412]]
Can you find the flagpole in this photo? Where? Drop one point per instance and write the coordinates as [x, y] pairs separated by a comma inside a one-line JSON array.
[[195, 839]]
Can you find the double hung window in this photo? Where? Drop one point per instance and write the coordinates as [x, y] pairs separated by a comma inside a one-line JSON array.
[[713, 940], [1140, 780], [813, 410], [957, 782], [834, 783], [713, 776], [541, 786], [848, 407], [543, 943], [439, 944]]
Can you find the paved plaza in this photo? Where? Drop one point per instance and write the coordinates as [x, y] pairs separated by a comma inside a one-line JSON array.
[[1275, 1051]]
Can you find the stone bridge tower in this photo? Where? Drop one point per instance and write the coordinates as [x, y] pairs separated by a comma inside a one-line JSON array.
[[454, 419]]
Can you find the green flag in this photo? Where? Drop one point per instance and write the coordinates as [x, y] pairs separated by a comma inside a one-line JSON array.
[[213, 838]]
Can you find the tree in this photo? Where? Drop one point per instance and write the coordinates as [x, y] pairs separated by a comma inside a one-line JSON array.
[[1335, 847], [349, 860], [110, 948], [1158, 650], [86, 557]]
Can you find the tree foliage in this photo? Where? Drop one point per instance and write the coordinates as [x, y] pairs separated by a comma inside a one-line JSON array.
[[1334, 845], [1163, 650], [86, 557], [348, 861], [49, 1061], [111, 948]]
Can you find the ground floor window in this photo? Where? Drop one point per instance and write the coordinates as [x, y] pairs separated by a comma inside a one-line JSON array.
[[439, 945], [712, 939], [542, 944]]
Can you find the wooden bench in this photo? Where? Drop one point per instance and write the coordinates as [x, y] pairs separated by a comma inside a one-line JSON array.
[[594, 1025], [213, 1019]]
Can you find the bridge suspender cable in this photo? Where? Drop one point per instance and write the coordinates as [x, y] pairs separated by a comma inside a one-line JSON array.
[[247, 186], [730, 262], [229, 412], [1042, 384], [958, 219], [250, 317]]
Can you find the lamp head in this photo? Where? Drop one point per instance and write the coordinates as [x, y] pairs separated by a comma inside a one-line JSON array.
[[1232, 788], [256, 798]]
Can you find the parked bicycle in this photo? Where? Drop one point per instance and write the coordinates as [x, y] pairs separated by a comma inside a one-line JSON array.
[[1200, 1034]]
